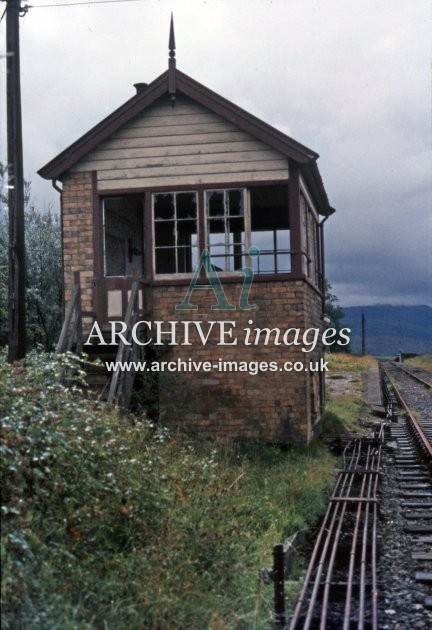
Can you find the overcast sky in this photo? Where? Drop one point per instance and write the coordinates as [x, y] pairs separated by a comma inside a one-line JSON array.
[[348, 78]]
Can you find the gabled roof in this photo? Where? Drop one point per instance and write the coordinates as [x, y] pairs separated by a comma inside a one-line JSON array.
[[183, 84]]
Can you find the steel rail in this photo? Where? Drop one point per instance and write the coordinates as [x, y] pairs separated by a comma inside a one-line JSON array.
[[323, 557], [342, 480], [371, 479], [347, 611], [418, 432], [371, 493], [421, 380], [327, 584]]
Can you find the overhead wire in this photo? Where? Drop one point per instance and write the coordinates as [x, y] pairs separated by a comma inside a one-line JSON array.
[[26, 7], [74, 4]]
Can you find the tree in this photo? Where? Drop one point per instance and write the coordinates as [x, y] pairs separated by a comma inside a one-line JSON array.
[[335, 314], [43, 283]]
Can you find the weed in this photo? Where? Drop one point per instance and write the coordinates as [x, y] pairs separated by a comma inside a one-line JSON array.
[[423, 361], [114, 522]]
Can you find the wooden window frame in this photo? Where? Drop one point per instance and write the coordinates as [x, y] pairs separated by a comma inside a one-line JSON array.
[[152, 194]]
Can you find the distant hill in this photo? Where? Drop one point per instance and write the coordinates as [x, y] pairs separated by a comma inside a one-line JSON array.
[[390, 329]]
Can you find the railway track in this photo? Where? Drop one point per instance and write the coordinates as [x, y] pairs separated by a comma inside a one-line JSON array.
[[419, 375], [371, 565], [412, 391], [340, 587], [410, 489]]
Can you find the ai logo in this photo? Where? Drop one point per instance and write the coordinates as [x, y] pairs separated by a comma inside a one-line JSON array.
[[215, 284]]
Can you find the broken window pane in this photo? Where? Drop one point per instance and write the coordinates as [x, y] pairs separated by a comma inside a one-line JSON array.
[[215, 204], [165, 233], [310, 253], [270, 229], [165, 260], [186, 205], [164, 206], [226, 228], [176, 232], [235, 203]]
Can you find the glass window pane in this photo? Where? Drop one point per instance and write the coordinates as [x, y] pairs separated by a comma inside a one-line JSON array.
[[115, 255], [195, 258], [217, 239], [263, 240], [264, 263], [164, 206], [217, 250], [283, 239], [123, 235], [283, 263]]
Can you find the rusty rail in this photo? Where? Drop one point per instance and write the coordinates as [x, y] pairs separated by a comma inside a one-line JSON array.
[[418, 378], [350, 522], [414, 426]]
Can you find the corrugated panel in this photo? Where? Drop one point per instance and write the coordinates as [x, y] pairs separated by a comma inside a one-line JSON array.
[[184, 145]]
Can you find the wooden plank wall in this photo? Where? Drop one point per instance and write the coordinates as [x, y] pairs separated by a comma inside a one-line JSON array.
[[184, 145]]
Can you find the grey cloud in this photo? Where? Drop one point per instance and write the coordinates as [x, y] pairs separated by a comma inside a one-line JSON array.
[[349, 79]]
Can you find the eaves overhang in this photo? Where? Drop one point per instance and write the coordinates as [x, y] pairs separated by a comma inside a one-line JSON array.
[[56, 168]]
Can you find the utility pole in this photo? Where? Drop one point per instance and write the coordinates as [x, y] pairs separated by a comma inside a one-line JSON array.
[[363, 333], [17, 274]]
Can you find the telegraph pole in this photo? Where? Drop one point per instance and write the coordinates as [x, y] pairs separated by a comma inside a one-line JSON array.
[[363, 333], [17, 276]]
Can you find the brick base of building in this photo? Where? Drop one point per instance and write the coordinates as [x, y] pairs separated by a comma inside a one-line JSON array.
[[277, 406], [282, 407]]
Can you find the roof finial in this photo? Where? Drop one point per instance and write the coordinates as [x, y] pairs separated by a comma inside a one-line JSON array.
[[172, 63], [171, 44]]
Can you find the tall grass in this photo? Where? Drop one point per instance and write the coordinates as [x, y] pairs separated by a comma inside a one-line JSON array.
[[343, 409], [423, 361], [112, 522]]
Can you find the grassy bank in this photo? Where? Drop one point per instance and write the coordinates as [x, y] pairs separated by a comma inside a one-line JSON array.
[[344, 393], [110, 522], [423, 361]]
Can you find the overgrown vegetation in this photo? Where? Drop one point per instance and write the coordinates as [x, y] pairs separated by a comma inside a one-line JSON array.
[[112, 522], [335, 315], [423, 361], [344, 393], [43, 270]]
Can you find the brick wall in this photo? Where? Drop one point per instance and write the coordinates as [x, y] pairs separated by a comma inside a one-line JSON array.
[[77, 221], [279, 406], [283, 407]]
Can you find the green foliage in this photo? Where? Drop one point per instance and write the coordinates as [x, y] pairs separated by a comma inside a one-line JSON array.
[[341, 416], [113, 522], [423, 361], [44, 276], [345, 404], [335, 314]]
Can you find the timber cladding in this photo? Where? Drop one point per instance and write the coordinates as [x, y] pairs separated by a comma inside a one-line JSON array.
[[186, 146], [148, 147]]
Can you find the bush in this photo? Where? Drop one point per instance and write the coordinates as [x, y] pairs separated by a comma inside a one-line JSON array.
[[110, 521], [44, 291]]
